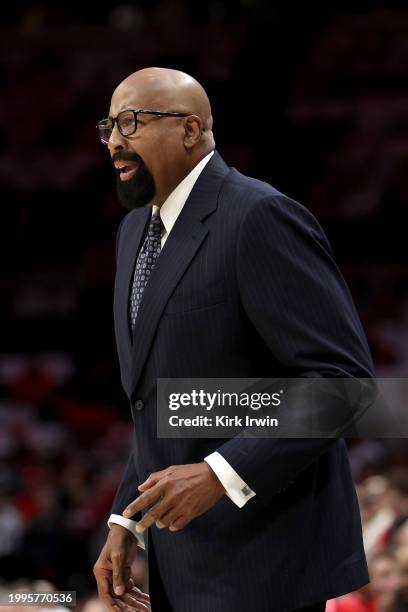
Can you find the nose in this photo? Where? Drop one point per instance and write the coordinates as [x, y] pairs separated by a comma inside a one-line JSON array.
[[116, 142]]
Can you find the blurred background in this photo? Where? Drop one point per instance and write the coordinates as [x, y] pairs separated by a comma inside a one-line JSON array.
[[313, 100]]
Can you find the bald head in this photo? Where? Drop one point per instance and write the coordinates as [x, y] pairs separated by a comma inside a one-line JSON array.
[[167, 89], [166, 144]]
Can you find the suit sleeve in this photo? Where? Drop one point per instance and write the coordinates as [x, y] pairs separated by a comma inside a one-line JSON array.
[[298, 302], [127, 490]]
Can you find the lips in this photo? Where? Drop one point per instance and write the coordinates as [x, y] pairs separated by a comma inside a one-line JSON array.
[[126, 169]]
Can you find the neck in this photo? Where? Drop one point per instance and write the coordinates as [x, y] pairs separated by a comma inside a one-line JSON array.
[[176, 176]]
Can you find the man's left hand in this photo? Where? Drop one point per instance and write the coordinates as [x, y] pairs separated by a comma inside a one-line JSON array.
[[181, 493]]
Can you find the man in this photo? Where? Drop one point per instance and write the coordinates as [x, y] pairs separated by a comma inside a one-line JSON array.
[[220, 275]]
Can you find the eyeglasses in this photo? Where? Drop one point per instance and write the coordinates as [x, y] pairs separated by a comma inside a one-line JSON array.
[[127, 122]]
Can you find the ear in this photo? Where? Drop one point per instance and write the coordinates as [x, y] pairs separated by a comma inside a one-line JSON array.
[[193, 129]]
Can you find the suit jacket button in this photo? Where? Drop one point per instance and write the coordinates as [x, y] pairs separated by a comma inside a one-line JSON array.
[[139, 405]]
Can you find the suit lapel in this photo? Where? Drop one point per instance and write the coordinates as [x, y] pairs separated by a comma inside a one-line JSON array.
[[130, 242], [186, 237]]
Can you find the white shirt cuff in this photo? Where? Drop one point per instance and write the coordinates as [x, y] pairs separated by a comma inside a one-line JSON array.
[[128, 524], [236, 488]]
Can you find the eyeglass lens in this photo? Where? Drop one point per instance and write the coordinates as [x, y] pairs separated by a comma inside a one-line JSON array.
[[126, 124]]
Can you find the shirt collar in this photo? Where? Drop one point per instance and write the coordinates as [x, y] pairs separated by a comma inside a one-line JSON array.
[[172, 206]]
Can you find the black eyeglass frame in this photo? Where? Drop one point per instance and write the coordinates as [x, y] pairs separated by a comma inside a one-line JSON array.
[[135, 114]]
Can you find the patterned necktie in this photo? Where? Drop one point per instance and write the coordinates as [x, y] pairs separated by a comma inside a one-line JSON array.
[[145, 263]]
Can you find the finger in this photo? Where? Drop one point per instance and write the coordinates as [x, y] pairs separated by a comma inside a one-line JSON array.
[[104, 594], [145, 499], [134, 602], [148, 484], [135, 598], [120, 605], [155, 477], [152, 479], [138, 592], [119, 573], [167, 519], [141, 597], [179, 523], [154, 514]]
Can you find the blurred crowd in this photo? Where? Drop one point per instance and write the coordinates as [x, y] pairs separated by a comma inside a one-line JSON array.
[[319, 109], [383, 503]]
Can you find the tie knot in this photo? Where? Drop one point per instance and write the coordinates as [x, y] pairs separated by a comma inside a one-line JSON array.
[[156, 225]]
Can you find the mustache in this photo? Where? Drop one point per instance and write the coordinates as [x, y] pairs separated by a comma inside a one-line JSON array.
[[126, 156]]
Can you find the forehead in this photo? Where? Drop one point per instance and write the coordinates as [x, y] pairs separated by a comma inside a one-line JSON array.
[[136, 96]]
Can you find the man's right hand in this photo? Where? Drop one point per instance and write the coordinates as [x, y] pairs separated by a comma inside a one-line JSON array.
[[112, 572]]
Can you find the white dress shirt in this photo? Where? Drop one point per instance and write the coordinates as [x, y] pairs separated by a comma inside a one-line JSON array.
[[236, 489]]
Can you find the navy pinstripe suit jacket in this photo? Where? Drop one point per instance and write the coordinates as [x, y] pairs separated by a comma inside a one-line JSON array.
[[245, 287]]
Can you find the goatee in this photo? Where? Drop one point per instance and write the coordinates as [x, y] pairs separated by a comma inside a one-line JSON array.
[[140, 189]]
